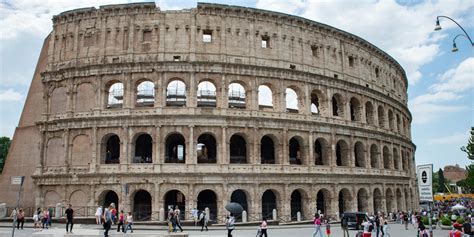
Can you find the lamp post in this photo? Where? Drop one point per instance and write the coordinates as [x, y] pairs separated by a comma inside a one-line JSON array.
[[455, 48]]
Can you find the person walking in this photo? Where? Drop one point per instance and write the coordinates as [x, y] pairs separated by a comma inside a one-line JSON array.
[[98, 215], [328, 228], [203, 220], [405, 219], [121, 220], [386, 229], [263, 227], [50, 215], [230, 224], [20, 219], [195, 215], [129, 222], [344, 226], [382, 222], [45, 220], [69, 219], [177, 214], [107, 221], [317, 225], [367, 228]]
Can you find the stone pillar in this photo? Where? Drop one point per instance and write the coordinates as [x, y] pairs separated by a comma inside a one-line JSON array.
[[274, 214], [95, 147], [59, 210], [298, 216], [284, 157], [221, 96], [190, 155], [3, 210], [191, 95], [224, 157], [244, 216], [310, 158], [158, 144], [306, 109], [255, 155], [66, 148], [162, 214]]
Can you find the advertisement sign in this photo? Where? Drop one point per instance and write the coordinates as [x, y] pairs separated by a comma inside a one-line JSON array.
[[425, 181]]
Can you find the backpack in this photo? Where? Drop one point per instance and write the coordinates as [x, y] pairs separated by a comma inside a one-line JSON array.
[[371, 226]]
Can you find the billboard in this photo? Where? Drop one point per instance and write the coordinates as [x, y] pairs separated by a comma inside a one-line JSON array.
[[425, 182]]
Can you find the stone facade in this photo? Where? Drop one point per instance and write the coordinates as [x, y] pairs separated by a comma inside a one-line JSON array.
[[202, 106]]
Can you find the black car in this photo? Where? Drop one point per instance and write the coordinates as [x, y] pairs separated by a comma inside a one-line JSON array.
[[355, 219]]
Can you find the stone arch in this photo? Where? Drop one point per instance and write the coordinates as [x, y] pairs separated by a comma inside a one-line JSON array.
[[318, 102], [323, 201], [322, 152], [369, 113], [378, 207], [399, 125], [176, 93], [175, 148], [81, 150], [342, 153], [387, 164], [362, 200], [295, 150], [110, 149], [237, 95], [265, 96], [296, 204], [381, 116], [269, 202], [79, 200], [107, 197], [407, 200], [58, 100], [85, 97], [240, 196], [337, 105], [355, 109], [206, 93], [208, 198], [396, 159], [173, 198], [389, 200], [143, 144], [344, 200], [51, 197], [399, 198], [391, 120], [142, 205], [237, 149], [359, 154], [145, 93], [267, 149], [55, 152], [292, 100], [115, 94], [374, 156], [206, 149]]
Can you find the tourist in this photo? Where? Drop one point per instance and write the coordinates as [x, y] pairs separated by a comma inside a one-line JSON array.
[[98, 215], [405, 219], [69, 218], [129, 222], [328, 228], [37, 219], [107, 220], [263, 227], [20, 219], [413, 220], [121, 222], [113, 212], [386, 229], [377, 225], [467, 228], [317, 225], [344, 226], [367, 228], [50, 214], [382, 223], [177, 215], [195, 215], [203, 220], [230, 224], [171, 220], [44, 221]]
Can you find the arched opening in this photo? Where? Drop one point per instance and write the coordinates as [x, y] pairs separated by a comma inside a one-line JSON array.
[[404, 161], [321, 156], [175, 151], [142, 206], [236, 96], [323, 201], [206, 94], [240, 197], [206, 149], [374, 159], [355, 109], [143, 149], [265, 97], [369, 113], [391, 120], [337, 106], [378, 201], [315, 104], [399, 200], [342, 156], [386, 158], [407, 201], [362, 200], [296, 204], [176, 93], [291, 101], [344, 201], [268, 204], [359, 154], [396, 159], [399, 125], [294, 151], [238, 150], [208, 198], [111, 150], [107, 198], [173, 199], [267, 150], [115, 95], [381, 116], [389, 200], [146, 94]]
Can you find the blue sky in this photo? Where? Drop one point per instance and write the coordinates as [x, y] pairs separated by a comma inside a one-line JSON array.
[[441, 83]]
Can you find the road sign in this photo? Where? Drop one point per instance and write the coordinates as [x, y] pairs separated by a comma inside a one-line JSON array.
[[425, 182]]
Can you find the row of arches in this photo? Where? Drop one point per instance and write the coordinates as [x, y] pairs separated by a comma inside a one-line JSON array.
[[262, 205], [238, 96]]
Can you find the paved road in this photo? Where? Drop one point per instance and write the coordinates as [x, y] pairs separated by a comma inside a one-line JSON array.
[[397, 230]]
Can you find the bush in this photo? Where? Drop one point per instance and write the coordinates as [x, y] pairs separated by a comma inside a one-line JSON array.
[[460, 220], [446, 221], [425, 220]]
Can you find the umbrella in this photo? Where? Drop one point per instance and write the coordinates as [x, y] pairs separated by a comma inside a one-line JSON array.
[[458, 207], [234, 207]]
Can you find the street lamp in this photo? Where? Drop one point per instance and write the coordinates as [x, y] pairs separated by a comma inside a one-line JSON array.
[[455, 48]]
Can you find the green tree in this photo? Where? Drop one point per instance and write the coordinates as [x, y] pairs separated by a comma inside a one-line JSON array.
[[441, 182], [469, 148], [468, 183], [4, 146], [435, 183]]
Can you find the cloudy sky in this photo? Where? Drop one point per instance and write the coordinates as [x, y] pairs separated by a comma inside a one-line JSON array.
[[441, 83]]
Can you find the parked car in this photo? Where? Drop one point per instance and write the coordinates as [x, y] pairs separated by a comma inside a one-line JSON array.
[[355, 219]]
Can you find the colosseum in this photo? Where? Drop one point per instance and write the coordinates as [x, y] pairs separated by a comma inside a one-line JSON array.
[[200, 107]]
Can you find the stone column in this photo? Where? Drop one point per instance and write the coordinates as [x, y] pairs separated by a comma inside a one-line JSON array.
[[306, 109], [255, 156], [191, 92], [66, 148], [224, 157], [158, 143], [190, 154], [221, 96], [284, 157], [310, 153]]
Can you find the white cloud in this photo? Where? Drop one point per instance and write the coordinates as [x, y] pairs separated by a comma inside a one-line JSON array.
[[458, 79], [10, 95], [456, 138], [428, 112]]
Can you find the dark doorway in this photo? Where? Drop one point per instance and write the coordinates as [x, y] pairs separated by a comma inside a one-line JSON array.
[[268, 204], [143, 149], [238, 150], [109, 198], [208, 198], [175, 149], [294, 152], [267, 150], [239, 197], [321, 202], [112, 150], [142, 206], [206, 149], [175, 198], [296, 205]]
